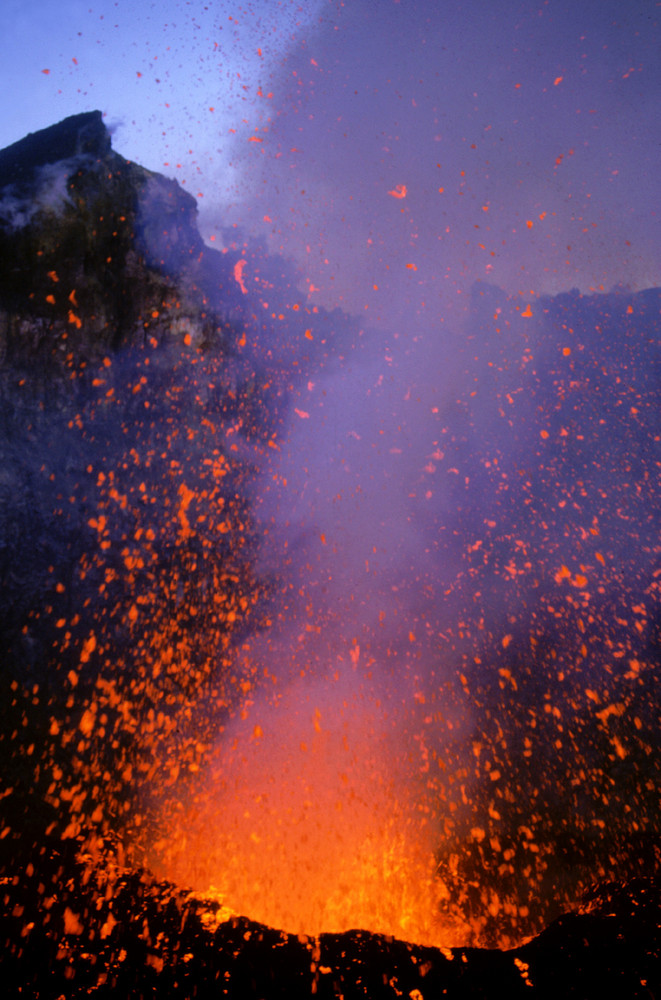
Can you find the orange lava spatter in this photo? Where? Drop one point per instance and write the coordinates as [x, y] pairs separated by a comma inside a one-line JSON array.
[[306, 821]]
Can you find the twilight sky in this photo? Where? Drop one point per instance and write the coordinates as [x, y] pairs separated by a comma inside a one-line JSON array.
[[396, 150]]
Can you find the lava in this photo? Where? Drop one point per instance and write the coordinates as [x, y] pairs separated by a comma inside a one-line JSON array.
[[305, 818]]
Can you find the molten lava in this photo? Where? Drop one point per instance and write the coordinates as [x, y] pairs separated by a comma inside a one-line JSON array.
[[306, 821]]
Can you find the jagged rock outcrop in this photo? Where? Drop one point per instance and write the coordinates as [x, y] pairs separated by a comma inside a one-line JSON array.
[[115, 933], [97, 252]]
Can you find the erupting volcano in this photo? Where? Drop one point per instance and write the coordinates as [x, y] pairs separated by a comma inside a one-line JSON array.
[[330, 626]]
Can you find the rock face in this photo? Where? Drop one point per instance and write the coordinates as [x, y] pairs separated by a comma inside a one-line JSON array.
[[79, 135], [98, 252]]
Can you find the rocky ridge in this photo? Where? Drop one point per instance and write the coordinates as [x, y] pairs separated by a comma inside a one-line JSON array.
[[99, 252]]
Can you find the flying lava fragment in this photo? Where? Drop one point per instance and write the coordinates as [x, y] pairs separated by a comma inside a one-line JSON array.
[[238, 275]]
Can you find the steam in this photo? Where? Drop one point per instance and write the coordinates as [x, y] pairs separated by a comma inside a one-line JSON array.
[[48, 192], [319, 809], [449, 694], [440, 513]]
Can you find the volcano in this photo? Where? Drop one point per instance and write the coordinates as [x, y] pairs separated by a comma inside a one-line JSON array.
[[329, 654]]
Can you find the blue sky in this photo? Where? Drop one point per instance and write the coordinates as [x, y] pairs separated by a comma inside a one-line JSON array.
[[524, 135]]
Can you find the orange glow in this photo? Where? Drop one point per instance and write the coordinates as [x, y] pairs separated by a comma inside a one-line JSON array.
[[307, 822]]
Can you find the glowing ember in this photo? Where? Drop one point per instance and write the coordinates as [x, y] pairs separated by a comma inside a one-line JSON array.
[[305, 820]]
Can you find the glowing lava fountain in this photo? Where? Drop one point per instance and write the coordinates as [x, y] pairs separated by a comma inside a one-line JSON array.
[[308, 820]]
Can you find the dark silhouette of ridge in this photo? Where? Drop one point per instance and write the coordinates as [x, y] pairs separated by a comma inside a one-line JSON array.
[[85, 133]]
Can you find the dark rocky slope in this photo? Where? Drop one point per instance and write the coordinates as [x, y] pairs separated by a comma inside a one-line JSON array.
[[72, 929]]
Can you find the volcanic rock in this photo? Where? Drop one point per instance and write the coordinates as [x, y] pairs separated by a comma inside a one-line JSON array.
[[116, 390], [98, 253], [70, 928]]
